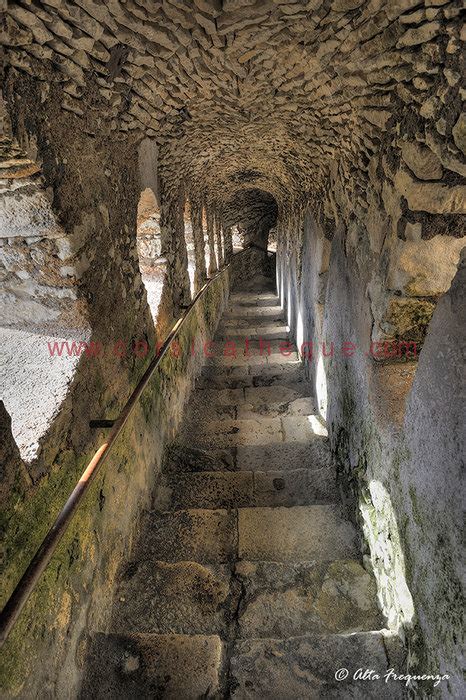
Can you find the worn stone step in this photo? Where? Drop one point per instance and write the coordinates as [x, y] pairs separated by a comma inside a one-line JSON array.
[[229, 433], [299, 533], [283, 456], [275, 316], [303, 668], [250, 402], [263, 599], [244, 345], [185, 457], [275, 331], [257, 396], [202, 535], [288, 372], [253, 300], [255, 431], [297, 407], [253, 363], [287, 600], [240, 311], [229, 489], [229, 354], [153, 666], [278, 393], [174, 597]]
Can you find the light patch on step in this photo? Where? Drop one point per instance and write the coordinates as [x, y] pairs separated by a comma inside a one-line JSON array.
[[317, 427]]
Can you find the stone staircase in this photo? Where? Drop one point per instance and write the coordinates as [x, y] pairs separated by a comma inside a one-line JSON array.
[[247, 580]]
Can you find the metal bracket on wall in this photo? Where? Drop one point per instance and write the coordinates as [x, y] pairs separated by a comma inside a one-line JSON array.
[[101, 423]]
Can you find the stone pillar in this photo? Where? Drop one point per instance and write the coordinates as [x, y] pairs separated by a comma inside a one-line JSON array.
[[176, 292], [218, 239], [200, 274], [211, 237], [228, 243]]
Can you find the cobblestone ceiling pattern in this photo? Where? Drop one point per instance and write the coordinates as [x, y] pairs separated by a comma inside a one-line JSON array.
[[246, 94]]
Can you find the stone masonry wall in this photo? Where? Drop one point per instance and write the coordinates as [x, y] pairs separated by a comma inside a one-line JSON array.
[[399, 450], [391, 215]]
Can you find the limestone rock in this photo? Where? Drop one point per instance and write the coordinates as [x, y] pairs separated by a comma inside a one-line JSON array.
[[421, 160], [433, 198], [424, 268], [459, 132], [420, 35]]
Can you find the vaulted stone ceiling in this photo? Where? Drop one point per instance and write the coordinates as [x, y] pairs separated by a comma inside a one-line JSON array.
[[275, 89]]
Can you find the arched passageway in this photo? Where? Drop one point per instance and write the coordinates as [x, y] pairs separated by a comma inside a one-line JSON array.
[[144, 142]]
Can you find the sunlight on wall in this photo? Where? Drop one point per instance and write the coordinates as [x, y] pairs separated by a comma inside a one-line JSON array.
[[381, 532], [299, 331], [288, 303], [279, 279], [321, 388]]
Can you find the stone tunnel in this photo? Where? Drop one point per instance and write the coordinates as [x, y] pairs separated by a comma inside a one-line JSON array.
[[251, 210]]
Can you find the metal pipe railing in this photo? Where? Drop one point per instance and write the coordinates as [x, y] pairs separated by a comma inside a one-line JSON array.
[[39, 562]]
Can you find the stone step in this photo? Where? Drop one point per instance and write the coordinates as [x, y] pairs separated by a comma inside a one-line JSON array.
[[304, 668], [209, 409], [260, 430], [230, 354], [230, 489], [297, 407], [287, 600], [269, 401], [184, 458], [249, 364], [153, 666], [238, 350], [298, 533], [240, 300], [264, 458], [274, 316], [276, 331], [283, 456], [277, 394], [259, 599], [174, 597], [230, 433], [239, 377], [202, 535], [240, 311]]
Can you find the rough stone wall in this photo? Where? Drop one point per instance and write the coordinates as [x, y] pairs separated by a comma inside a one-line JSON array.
[[255, 212], [148, 229], [306, 289], [434, 481], [71, 599], [399, 451], [93, 190], [37, 272], [291, 98], [390, 210]]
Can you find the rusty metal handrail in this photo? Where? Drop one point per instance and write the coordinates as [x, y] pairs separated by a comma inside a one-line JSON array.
[[39, 562]]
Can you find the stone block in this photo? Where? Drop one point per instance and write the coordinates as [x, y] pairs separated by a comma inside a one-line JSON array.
[[300, 533]]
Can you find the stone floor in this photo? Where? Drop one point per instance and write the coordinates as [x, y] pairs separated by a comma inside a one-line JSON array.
[[247, 580]]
